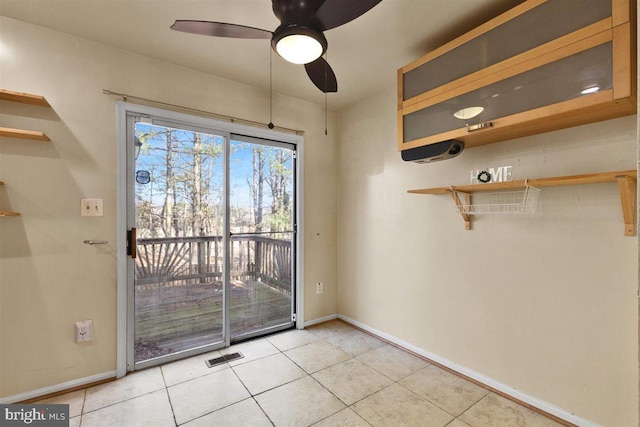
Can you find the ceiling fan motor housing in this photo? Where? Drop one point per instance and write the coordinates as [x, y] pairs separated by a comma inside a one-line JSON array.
[[296, 11], [298, 21]]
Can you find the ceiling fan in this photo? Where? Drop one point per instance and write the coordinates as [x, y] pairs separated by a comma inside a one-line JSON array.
[[299, 38]]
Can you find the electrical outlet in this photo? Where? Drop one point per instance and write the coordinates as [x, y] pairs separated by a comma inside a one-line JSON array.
[[319, 288], [91, 207], [84, 331]]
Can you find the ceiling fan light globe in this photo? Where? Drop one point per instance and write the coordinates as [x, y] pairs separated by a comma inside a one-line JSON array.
[[298, 44], [299, 48]]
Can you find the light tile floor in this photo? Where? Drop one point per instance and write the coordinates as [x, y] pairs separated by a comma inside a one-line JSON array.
[[328, 375]]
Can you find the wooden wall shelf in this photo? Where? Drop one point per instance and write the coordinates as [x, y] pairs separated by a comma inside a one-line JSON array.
[[25, 98], [6, 213], [23, 134], [626, 186]]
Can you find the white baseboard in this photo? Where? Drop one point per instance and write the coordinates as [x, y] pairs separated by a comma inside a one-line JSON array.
[[56, 388], [503, 388], [320, 320]]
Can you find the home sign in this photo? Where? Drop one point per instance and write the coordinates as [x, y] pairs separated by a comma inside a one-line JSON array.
[[496, 174]]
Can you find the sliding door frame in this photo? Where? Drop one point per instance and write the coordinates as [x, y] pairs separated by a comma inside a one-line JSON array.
[[125, 151], [273, 144]]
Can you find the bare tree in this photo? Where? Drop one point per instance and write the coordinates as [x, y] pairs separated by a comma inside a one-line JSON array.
[[170, 223], [257, 186], [278, 179], [196, 187]]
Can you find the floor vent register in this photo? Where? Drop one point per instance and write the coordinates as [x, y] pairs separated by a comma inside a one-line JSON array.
[[223, 359]]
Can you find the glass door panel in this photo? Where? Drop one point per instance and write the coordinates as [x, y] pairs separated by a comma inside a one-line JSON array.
[[261, 244], [179, 221]]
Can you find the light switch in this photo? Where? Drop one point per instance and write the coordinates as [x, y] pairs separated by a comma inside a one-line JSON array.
[[91, 207]]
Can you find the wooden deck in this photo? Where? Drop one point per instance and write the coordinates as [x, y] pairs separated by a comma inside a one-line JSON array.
[[178, 290], [174, 317]]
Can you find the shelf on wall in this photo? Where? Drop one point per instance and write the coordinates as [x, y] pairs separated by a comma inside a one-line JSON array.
[[23, 134], [626, 186], [6, 213], [25, 98]]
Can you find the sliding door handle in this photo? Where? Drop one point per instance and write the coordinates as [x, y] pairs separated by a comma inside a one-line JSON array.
[[131, 243]]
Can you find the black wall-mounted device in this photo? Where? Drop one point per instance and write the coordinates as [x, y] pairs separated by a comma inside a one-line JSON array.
[[433, 152]]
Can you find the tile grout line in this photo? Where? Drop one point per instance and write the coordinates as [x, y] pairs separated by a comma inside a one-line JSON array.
[[227, 364], [166, 390], [353, 357], [479, 400], [263, 411], [436, 404], [347, 406], [84, 399], [393, 381], [251, 396], [124, 400], [203, 375], [465, 377], [230, 367], [308, 374], [433, 403], [222, 407], [469, 408], [426, 399], [333, 394], [219, 409]]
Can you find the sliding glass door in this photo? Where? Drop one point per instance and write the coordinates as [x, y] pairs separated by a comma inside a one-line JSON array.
[[211, 238], [262, 234]]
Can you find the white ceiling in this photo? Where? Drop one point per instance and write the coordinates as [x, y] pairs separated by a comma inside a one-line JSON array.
[[364, 54]]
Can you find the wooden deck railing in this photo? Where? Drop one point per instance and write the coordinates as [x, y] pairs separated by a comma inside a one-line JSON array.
[[173, 261]]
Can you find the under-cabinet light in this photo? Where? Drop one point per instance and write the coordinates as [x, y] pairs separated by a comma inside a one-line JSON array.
[[592, 89], [468, 113]]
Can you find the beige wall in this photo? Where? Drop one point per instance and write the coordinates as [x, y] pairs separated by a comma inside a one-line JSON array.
[[48, 278], [544, 303]]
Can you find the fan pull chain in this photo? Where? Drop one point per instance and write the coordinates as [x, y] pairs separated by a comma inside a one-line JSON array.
[[326, 113], [326, 89], [270, 125]]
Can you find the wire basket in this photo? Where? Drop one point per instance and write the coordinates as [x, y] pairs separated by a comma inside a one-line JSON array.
[[523, 201]]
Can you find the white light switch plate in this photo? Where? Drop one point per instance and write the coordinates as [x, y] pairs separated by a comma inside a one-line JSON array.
[[91, 207]]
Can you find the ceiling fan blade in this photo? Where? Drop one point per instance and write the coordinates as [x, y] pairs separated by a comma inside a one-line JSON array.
[[321, 74], [334, 13], [220, 29]]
